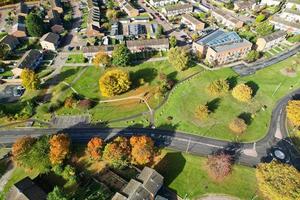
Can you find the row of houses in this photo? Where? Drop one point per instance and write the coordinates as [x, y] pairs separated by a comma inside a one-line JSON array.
[[162, 3], [177, 9], [94, 18], [192, 22], [227, 19]]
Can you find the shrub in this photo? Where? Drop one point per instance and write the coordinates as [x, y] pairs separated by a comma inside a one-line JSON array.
[[85, 104], [201, 112], [238, 125]]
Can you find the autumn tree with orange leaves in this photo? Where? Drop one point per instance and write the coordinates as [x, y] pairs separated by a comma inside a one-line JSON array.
[[142, 149], [21, 146], [59, 148], [94, 148], [117, 152]]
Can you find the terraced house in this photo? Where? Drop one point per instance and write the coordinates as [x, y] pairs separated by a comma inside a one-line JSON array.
[[192, 22], [161, 3], [267, 42], [177, 9], [227, 19]]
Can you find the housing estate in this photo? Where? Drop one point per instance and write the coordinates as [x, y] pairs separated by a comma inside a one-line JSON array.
[[291, 4], [283, 24], [10, 41], [56, 5], [177, 9], [19, 28], [49, 41], [161, 3], [267, 42], [192, 22], [148, 45], [130, 10], [226, 19], [55, 21], [270, 2]]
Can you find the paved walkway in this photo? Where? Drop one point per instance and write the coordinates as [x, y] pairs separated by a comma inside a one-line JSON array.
[[4, 179]]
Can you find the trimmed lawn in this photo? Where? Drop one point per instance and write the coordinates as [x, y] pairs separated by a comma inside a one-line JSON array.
[[225, 108], [76, 58], [187, 176]]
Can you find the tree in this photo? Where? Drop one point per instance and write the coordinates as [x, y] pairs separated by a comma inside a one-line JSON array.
[[142, 150], [35, 25], [30, 79], [114, 82], [179, 58], [252, 56], [278, 181], [4, 51], [293, 112], [117, 152], [121, 56], [160, 31], [229, 5], [260, 18], [102, 59], [173, 41], [95, 147], [21, 147], [112, 14], [59, 148], [238, 125], [264, 28], [219, 166], [242, 92], [202, 112], [218, 87], [57, 194]]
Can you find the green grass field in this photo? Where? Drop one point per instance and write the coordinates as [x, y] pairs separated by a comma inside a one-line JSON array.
[[76, 58], [186, 175], [270, 84]]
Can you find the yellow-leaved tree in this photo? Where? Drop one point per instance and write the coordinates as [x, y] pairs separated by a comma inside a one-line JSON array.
[[238, 125], [293, 112], [102, 59], [142, 150], [30, 79], [201, 112], [114, 82], [242, 92], [59, 148], [278, 181]]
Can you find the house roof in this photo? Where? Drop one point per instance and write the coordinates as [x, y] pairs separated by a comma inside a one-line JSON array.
[[29, 59], [26, 189], [135, 191], [119, 196], [226, 15], [294, 1], [192, 19], [22, 8], [230, 46], [55, 3], [151, 179], [95, 49], [50, 37], [291, 11], [178, 7], [274, 36], [10, 40], [145, 43], [54, 17], [279, 20]]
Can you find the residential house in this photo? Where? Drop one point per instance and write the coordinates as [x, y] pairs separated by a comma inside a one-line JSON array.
[[94, 19], [22, 9], [89, 52], [162, 3], [227, 53], [226, 19], [283, 24], [56, 24], [26, 189], [19, 29], [244, 5], [270, 2], [137, 30], [130, 10], [49, 41], [144, 187], [31, 60], [291, 15], [11, 41], [56, 5], [292, 4], [267, 42], [192, 22], [148, 45], [177, 9]]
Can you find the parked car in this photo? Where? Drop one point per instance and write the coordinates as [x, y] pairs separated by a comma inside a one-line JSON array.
[[2, 70]]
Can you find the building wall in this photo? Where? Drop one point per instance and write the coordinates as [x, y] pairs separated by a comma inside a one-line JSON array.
[[48, 45], [162, 47], [178, 12], [270, 2], [291, 5], [290, 16], [162, 3], [196, 27]]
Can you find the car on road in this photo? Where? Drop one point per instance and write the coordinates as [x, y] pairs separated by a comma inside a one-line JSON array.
[[70, 48]]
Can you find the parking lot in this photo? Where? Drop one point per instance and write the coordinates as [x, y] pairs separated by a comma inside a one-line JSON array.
[[8, 93]]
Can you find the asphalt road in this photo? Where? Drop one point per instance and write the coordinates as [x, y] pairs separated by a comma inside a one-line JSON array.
[[185, 142]]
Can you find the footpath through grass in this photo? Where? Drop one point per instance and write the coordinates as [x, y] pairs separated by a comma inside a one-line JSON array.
[[269, 85], [187, 176]]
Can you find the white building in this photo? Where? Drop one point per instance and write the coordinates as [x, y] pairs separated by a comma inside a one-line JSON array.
[[293, 4], [161, 3], [192, 22], [270, 2], [227, 19], [283, 24], [49, 41], [291, 15]]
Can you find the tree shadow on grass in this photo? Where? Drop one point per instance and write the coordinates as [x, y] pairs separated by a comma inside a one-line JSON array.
[[148, 74], [246, 116], [213, 104], [253, 86], [172, 76], [232, 81], [59, 78]]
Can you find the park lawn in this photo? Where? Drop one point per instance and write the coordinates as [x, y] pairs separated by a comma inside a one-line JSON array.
[[270, 84], [76, 58], [186, 175]]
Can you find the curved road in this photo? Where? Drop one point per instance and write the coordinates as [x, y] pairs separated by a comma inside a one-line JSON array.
[[245, 153]]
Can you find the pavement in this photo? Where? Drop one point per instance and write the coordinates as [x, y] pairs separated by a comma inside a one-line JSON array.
[[182, 141]]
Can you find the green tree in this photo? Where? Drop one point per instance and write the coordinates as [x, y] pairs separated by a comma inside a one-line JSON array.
[[30, 79], [179, 57], [112, 14], [57, 194], [252, 56], [121, 56], [260, 18], [4, 51], [160, 31], [35, 25], [278, 181], [229, 5], [264, 28], [173, 41], [114, 82]]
